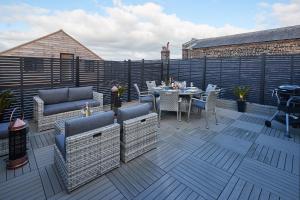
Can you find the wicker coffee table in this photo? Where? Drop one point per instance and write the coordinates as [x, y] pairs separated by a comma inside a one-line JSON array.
[[59, 126]]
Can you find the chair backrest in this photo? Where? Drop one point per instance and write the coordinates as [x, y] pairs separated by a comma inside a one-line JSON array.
[[137, 89], [210, 87], [84, 124], [150, 85], [169, 100], [211, 101]]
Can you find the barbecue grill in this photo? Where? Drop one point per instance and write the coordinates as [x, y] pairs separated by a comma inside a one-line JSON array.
[[288, 106]]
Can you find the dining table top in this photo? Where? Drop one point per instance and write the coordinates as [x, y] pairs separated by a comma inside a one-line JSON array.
[[182, 91]]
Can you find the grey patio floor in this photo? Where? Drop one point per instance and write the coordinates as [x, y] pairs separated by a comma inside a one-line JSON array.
[[237, 159]]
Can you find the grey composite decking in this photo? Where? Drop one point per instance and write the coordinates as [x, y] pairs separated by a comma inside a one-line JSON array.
[[237, 159]]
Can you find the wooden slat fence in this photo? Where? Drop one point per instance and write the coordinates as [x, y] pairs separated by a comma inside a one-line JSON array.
[[25, 76]]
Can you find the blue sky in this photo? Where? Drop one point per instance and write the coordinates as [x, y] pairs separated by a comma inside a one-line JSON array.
[[214, 12], [138, 28]]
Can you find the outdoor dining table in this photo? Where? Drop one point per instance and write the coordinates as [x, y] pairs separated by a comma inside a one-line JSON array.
[[186, 93]]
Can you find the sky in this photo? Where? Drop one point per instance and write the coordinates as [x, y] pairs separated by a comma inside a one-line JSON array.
[[137, 29]]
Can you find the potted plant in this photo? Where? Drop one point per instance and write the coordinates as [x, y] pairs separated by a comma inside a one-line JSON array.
[[6, 98], [241, 92], [117, 92]]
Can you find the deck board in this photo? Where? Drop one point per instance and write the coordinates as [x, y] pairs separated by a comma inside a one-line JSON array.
[[237, 159]]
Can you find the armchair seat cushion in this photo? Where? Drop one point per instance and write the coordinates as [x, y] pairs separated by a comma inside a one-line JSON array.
[[145, 99], [84, 124], [4, 130], [132, 112], [60, 143], [54, 96], [80, 93], [68, 106], [199, 104]]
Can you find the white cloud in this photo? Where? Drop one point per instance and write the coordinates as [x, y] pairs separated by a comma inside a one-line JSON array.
[[278, 14], [123, 32]]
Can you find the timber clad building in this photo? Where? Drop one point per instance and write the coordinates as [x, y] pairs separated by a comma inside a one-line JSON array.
[[278, 41], [55, 45]]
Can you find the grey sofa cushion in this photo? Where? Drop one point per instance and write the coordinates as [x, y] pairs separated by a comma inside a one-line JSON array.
[[146, 98], [91, 102], [53, 96], [59, 108], [4, 130], [60, 143], [132, 112], [80, 93], [83, 124], [68, 106]]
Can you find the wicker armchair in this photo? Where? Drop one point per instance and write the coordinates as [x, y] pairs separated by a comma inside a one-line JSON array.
[[83, 156], [138, 131], [4, 138], [45, 122]]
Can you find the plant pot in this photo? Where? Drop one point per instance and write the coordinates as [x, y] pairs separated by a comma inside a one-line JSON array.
[[241, 105], [1, 117]]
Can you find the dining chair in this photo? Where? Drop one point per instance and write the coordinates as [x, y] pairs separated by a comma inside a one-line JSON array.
[[169, 101], [210, 87], [150, 85], [145, 96], [208, 105]]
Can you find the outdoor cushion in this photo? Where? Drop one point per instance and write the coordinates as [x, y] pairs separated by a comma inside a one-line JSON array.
[[199, 104], [68, 106], [60, 143], [4, 130], [60, 108], [54, 96], [132, 112], [146, 98], [84, 124], [82, 103], [80, 93]]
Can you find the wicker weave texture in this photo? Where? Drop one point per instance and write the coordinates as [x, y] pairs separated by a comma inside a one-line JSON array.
[[89, 155], [3, 147], [139, 136], [47, 122]]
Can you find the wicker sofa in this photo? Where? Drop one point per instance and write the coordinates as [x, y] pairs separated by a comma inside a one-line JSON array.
[[138, 131], [4, 138], [89, 148], [56, 104]]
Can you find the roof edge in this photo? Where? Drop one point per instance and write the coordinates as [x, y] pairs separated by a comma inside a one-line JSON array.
[[40, 38]]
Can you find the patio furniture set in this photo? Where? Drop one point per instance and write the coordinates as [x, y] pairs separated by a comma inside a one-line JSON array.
[[88, 147], [180, 99]]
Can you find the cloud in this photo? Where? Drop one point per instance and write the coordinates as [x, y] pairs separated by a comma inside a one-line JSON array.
[[122, 32], [278, 14]]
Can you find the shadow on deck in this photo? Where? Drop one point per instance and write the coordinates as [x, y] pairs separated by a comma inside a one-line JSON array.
[[237, 159]]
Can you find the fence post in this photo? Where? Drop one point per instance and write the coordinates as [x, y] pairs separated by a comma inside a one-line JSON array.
[[190, 75], [51, 71], [142, 74], [204, 74], [221, 68], [240, 64], [292, 69], [168, 69], [77, 75], [262, 79], [129, 80], [21, 84], [162, 71], [98, 74]]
